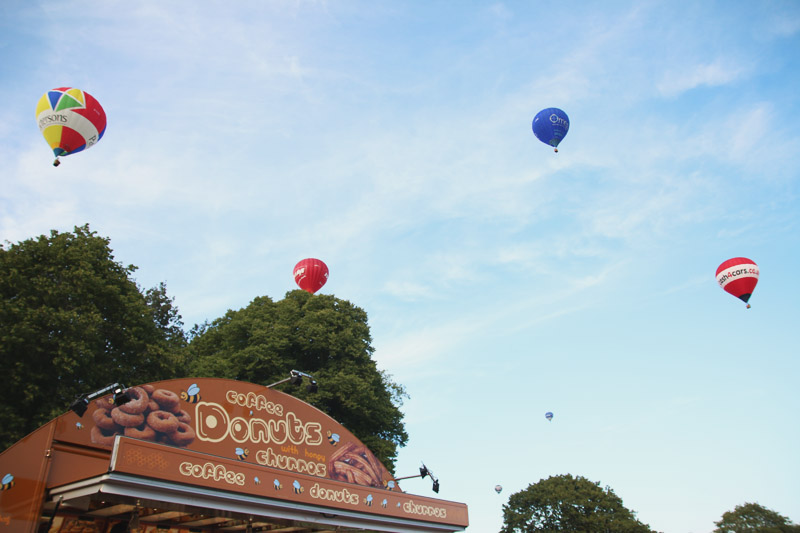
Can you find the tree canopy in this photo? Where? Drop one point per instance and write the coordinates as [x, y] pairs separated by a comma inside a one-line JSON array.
[[318, 334], [72, 320], [754, 518], [567, 503]]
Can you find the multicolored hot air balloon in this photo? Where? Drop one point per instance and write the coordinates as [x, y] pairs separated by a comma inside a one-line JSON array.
[[310, 274], [498, 489], [549, 416], [71, 120], [551, 126], [738, 276]]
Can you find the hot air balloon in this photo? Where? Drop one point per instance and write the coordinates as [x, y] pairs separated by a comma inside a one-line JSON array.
[[738, 276], [310, 274], [498, 489], [548, 415], [551, 126], [71, 120]]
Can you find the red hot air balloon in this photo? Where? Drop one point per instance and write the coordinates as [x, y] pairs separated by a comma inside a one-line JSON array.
[[738, 276], [310, 274]]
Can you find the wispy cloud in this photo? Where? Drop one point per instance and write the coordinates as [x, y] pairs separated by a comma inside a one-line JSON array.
[[713, 74]]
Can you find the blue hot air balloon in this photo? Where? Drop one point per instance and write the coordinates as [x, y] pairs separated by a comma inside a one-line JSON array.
[[551, 126], [548, 415]]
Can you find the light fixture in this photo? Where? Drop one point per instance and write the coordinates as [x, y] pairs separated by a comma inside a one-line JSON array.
[[120, 397], [423, 471], [296, 378]]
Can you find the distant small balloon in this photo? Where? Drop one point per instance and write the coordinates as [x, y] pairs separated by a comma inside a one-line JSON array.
[[738, 277], [498, 489], [310, 274], [551, 126], [549, 416]]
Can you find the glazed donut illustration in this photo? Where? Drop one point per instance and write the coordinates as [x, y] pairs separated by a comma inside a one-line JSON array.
[[184, 417], [162, 421], [106, 403], [138, 403], [183, 435], [103, 420], [143, 432], [152, 414], [102, 437], [126, 419], [168, 400]]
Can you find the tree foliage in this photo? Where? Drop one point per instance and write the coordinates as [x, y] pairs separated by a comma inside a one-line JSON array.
[[72, 320], [754, 518], [566, 503], [318, 334]]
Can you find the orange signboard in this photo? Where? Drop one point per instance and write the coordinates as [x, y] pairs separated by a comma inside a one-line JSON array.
[[178, 465], [242, 421]]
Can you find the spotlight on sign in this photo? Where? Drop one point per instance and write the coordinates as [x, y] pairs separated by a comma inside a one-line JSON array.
[[424, 471], [296, 378], [81, 403]]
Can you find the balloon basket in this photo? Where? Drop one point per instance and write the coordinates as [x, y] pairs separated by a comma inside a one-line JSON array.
[[748, 306], [555, 150], [56, 162]]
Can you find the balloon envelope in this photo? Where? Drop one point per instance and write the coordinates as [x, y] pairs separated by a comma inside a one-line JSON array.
[[738, 276], [310, 274], [71, 120], [548, 415], [498, 489], [551, 126]]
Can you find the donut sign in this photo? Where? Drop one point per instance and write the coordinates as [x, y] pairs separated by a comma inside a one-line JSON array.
[[738, 277], [245, 422]]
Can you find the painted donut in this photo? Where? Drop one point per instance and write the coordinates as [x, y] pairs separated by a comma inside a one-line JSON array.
[[149, 389], [103, 420], [138, 403], [183, 435], [184, 417], [152, 405], [143, 432], [105, 403], [168, 400], [176, 410], [162, 421], [126, 419], [103, 438]]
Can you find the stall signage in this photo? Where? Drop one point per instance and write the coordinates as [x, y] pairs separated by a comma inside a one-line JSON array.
[[141, 458], [242, 421]]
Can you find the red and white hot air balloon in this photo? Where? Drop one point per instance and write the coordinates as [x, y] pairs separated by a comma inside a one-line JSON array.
[[738, 276], [310, 274]]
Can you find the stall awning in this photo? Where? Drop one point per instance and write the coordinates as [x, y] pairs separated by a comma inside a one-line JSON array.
[[116, 490], [165, 480]]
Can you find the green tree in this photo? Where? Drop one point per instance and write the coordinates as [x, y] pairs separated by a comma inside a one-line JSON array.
[[566, 503], [72, 321], [318, 334], [754, 518]]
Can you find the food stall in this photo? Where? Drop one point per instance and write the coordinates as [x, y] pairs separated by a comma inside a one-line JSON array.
[[205, 455]]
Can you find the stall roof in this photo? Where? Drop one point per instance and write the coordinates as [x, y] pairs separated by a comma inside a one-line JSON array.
[[185, 489], [175, 505]]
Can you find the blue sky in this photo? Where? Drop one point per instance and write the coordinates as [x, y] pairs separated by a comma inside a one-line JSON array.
[[393, 140]]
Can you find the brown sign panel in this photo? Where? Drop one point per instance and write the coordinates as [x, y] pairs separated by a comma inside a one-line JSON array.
[[24, 469], [177, 465], [242, 421]]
